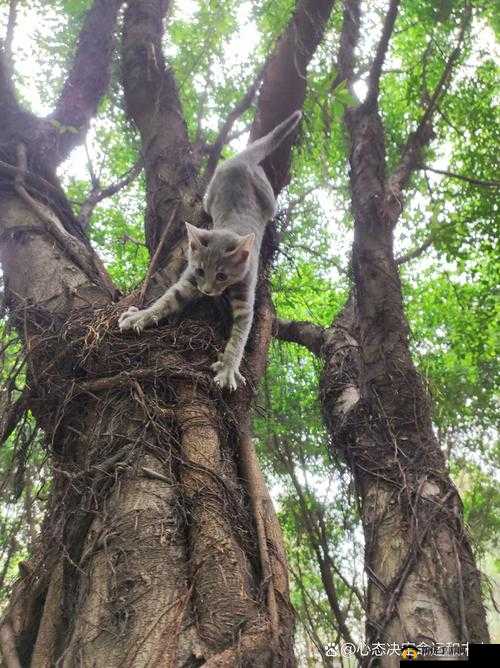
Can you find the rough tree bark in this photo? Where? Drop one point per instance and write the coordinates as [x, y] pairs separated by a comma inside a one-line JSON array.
[[423, 585], [160, 546]]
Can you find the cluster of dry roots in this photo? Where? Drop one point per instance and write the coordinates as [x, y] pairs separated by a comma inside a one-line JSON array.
[[116, 407]]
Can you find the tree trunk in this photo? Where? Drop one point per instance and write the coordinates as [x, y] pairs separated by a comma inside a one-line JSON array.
[[149, 550], [423, 585]]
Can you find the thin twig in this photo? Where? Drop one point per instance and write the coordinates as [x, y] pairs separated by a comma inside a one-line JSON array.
[[154, 262], [416, 252], [97, 194], [240, 108], [150, 473], [443, 81], [418, 140], [469, 179], [93, 177], [124, 378]]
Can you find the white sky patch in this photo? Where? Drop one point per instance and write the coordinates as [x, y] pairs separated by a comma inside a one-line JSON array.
[[185, 10], [361, 89], [243, 43], [30, 24]]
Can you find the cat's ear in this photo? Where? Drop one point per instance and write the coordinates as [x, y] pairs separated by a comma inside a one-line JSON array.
[[242, 250], [197, 238]]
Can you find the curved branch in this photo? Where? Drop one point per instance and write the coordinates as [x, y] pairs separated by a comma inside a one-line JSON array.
[[83, 256], [304, 333], [284, 84], [87, 80], [416, 252], [97, 194]]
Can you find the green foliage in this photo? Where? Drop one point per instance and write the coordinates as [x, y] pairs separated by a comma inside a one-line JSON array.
[[215, 50]]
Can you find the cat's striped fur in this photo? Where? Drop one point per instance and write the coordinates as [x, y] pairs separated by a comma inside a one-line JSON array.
[[240, 201]]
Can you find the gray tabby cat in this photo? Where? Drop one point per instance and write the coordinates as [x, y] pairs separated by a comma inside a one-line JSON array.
[[240, 201]]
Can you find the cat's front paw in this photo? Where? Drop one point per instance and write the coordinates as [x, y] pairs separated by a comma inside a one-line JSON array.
[[227, 376], [137, 320]]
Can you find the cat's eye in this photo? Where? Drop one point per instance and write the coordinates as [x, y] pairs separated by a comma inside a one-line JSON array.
[[200, 272], [230, 249], [221, 276]]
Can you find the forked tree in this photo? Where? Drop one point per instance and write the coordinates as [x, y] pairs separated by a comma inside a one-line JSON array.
[[160, 545]]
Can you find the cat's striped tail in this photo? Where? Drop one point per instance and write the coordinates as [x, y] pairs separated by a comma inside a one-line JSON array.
[[263, 147]]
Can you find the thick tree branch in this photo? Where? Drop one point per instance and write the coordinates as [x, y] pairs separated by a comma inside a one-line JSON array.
[[153, 104], [305, 333], [349, 37], [284, 84], [87, 80], [78, 252], [378, 61], [366, 132], [150, 88], [482, 183], [412, 154], [98, 193], [345, 63]]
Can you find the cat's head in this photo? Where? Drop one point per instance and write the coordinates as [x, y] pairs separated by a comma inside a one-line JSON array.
[[218, 258]]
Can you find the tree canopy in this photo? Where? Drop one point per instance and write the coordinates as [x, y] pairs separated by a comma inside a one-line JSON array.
[[446, 245]]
